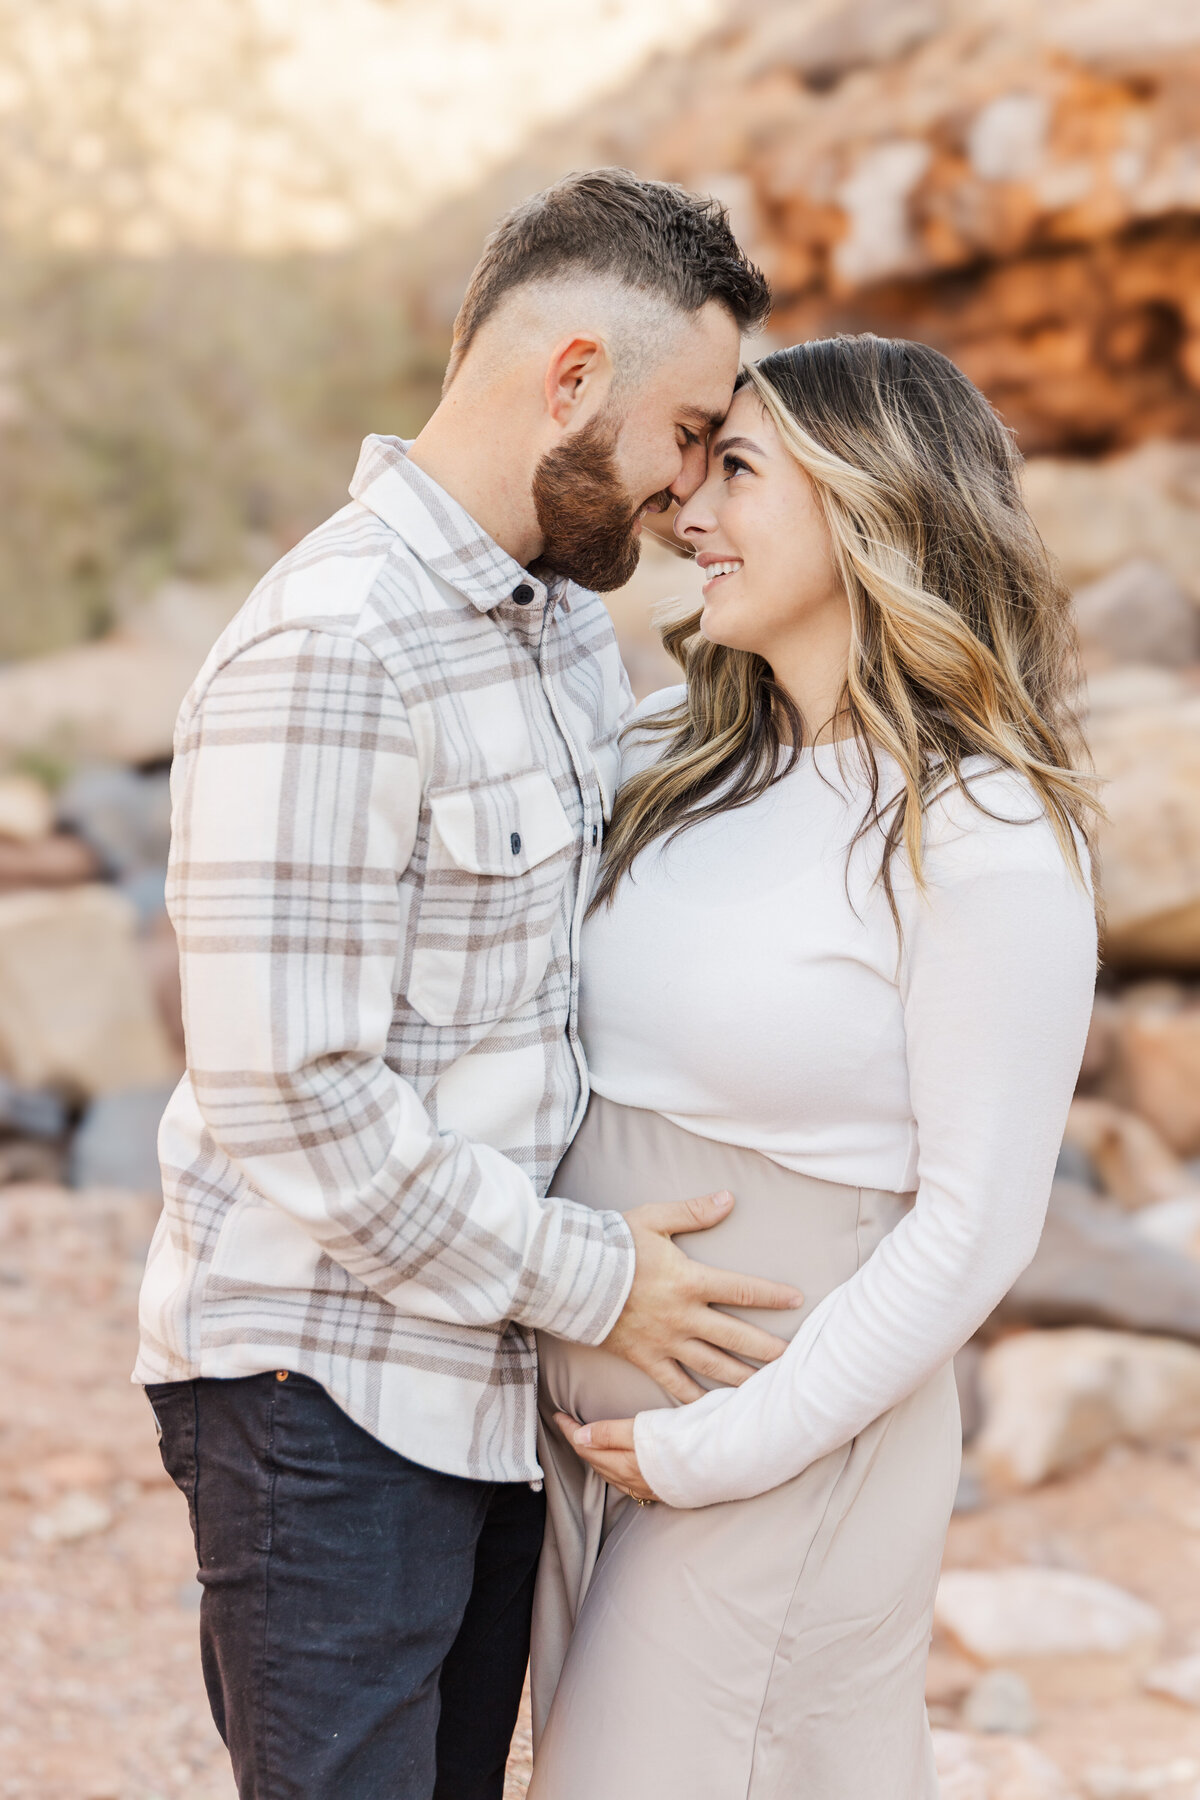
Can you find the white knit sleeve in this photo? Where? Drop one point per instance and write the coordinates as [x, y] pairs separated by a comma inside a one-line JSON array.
[[996, 981]]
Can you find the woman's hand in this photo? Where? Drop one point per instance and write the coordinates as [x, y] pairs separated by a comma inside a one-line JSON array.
[[608, 1448]]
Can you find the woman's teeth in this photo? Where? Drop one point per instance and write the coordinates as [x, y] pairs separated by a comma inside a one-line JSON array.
[[715, 569]]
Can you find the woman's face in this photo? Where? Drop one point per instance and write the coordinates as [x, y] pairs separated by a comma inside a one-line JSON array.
[[763, 543]]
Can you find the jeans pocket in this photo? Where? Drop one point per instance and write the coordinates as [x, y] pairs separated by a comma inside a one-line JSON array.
[[173, 1404]]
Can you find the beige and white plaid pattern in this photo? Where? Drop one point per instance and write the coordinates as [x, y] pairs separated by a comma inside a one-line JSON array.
[[390, 786]]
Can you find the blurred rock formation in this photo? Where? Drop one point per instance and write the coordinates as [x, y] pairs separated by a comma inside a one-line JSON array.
[[1014, 182]]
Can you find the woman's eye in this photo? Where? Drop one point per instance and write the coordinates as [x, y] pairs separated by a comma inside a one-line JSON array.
[[733, 465]]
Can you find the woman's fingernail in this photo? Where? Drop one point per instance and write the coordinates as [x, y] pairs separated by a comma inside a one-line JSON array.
[[722, 1202], [583, 1436], [797, 1298]]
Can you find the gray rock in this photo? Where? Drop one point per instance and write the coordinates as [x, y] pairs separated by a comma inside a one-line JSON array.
[[125, 817], [117, 1143], [147, 893], [1000, 1701], [1139, 613], [1093, 1267], [1074, 1164], [856, 34], [32, 1112], [966, 1380], [970, 1495]]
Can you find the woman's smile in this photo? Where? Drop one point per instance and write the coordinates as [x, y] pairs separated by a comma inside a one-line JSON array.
[[717, 568]]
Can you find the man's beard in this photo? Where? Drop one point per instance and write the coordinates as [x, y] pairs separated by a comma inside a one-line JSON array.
[[587, 519]]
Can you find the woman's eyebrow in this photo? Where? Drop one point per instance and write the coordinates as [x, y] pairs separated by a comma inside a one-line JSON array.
[[736, 443]]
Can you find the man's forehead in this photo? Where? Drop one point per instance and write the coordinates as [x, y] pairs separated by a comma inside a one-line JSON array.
[[704, 367]]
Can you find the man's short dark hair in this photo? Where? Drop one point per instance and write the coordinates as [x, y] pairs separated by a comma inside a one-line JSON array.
[[650, 235]]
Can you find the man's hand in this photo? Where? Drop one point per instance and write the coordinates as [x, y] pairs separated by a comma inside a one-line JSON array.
[[669, 1324]]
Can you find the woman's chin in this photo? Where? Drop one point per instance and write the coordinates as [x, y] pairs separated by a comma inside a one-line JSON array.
[[716, 630]]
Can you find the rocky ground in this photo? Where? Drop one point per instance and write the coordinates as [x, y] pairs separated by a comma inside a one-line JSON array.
[[100, 1694]]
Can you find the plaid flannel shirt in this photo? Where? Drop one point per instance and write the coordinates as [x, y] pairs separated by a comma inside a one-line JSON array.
[[390, 784]]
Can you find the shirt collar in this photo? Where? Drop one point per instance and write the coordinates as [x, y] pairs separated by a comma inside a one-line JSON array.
[[440, 531]]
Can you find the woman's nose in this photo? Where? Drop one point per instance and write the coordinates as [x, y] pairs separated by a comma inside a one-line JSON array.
[[692, 520]]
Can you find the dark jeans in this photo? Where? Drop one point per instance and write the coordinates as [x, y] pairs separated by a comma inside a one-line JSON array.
[[364, 1622]]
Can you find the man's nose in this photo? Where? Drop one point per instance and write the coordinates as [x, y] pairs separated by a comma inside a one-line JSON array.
[[692, 472]]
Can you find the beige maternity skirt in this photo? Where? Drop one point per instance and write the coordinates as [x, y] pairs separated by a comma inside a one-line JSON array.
[[765, 1649]]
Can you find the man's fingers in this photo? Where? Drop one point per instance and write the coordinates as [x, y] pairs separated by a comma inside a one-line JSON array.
[[739, 1338], [726, 1371], [675, 1381], [670, 1217], [724, 1287]]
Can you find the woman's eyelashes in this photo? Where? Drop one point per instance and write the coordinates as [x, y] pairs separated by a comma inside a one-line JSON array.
[[733, 465]]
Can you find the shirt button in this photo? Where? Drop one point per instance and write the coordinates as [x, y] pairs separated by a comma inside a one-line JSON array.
[[515, 842], [522, 593], [595, 836]]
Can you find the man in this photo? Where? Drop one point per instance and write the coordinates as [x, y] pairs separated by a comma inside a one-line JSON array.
[[390, 788]]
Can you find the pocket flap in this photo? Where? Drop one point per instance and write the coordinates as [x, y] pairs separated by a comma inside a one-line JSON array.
[[501, 827]]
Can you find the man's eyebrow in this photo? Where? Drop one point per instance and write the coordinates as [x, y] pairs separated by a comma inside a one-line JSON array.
[[735, 443], [702, 420]]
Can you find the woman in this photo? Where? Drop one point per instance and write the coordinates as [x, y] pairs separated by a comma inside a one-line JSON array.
[[840, 962]]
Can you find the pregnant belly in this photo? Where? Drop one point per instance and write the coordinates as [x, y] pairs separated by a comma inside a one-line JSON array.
[[784, 1226], [593, 1384]]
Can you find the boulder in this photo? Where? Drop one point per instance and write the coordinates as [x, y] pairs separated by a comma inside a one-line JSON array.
[[1052, 1399], [29, 1159], [1134, 1164], [26, 809], [115, 700], [1000, 1702], [1147, 749], [58, 860], [966, 1379], [123, 815], [1173, 1223], [1178, 1680], [1101, 1041], [1155, 1067], [1094, 1267], [1101, 515], [1139, 613], [1042, 1621], [77, 1515], [160, 959], [1150, 1781], [76, 1009], [973, 1768], [116, 1145], [32, 1112]]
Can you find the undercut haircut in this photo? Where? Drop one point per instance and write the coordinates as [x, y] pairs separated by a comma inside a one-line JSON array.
[[651, 236]]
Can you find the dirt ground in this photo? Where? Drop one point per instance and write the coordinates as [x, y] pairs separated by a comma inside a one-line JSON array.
[[100, 1693]]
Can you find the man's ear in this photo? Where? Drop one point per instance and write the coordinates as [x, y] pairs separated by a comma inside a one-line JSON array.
[[578, 379]]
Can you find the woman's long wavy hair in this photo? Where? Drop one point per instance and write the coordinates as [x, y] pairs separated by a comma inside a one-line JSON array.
[[961, 637]]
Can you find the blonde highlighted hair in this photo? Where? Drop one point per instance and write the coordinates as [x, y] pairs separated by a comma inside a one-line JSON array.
[[962, 643]]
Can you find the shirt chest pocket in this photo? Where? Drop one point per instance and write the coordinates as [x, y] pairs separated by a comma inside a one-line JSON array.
[[499, 855]]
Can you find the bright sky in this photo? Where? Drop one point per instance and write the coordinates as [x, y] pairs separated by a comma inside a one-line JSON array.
[[259, 124]]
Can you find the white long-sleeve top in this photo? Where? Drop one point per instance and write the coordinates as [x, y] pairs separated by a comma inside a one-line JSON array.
[[747, 983]]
